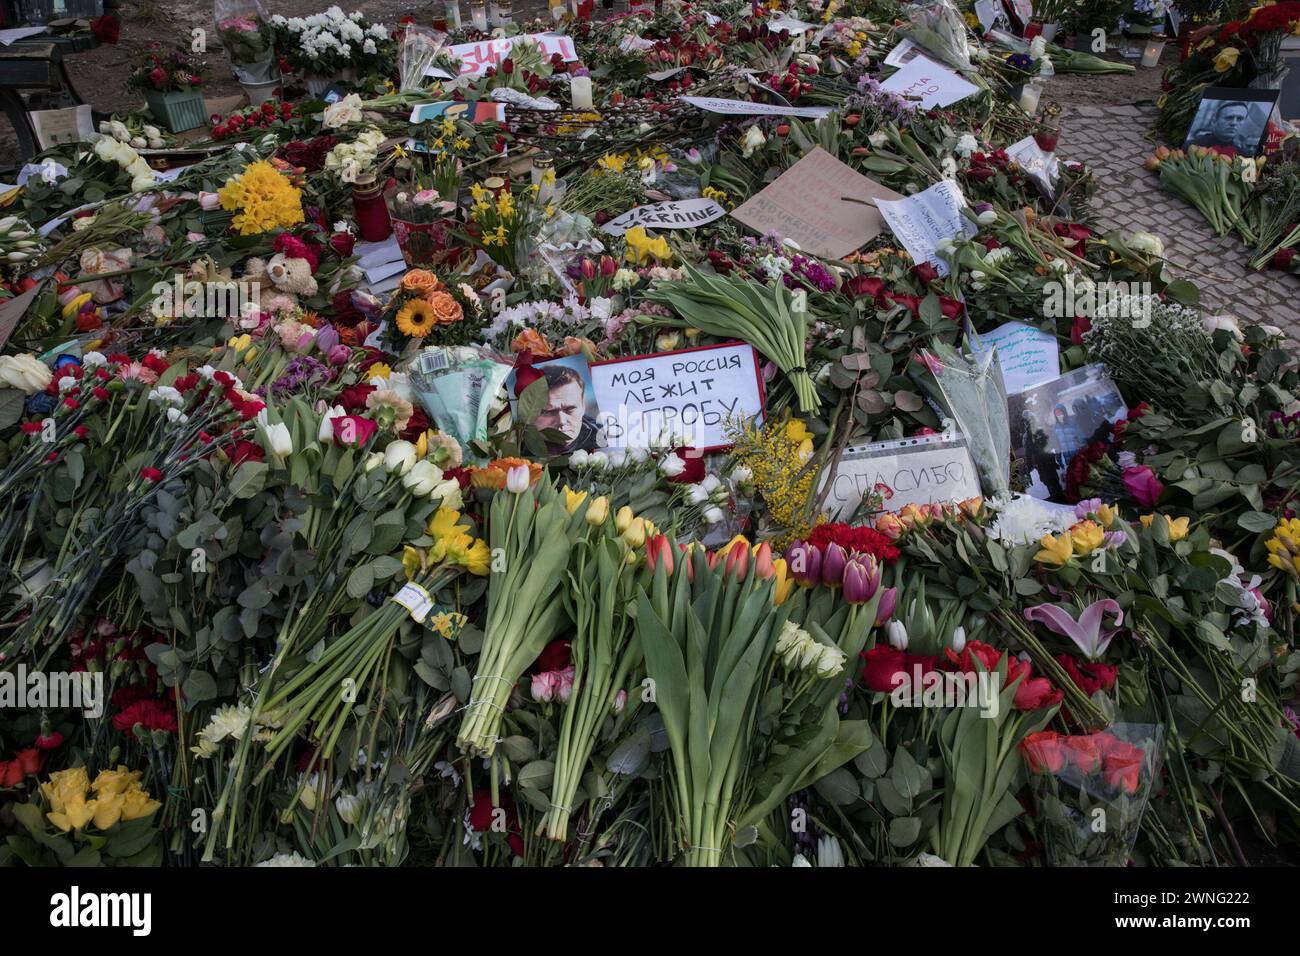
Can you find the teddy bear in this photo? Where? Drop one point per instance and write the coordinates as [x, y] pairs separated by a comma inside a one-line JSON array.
[[285, 277]]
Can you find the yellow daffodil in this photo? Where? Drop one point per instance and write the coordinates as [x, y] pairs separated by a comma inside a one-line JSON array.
[[445, 522], [1226, 59], [1086, 537], [612, 162], [412, 561], [472, 554], [1056, 550], [379, 370]]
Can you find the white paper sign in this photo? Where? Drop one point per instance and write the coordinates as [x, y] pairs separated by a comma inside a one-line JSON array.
[[921, 221], [692, 394], [712, 104], [934, 85], [1027, 355], [1041, 167], [789, 24], [475, 58], [925, 470], [678, 214]]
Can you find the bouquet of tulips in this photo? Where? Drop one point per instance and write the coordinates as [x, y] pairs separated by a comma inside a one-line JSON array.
[[1216, 183]]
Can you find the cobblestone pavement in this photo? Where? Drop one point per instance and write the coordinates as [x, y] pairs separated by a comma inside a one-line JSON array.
[[1112, 141]]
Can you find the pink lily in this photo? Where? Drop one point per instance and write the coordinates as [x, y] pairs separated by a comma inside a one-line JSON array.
[[1088, 632]]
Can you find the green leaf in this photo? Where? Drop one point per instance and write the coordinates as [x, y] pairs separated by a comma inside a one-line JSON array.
[[839, 787], [248, 479], [538, 775], [903, 831], [360, 581], [1256, 521], [11, 406], [199, 686], [533, 400]]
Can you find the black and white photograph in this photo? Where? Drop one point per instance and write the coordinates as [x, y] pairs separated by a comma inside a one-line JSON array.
[[1232, 118], [1052, 422]]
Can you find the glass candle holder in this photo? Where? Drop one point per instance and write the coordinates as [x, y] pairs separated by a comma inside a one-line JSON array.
[[451, 10], [370, 210], [1151, 52], [478, 15]]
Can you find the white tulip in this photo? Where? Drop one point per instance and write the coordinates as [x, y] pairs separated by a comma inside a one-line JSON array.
[[897, 635], [959, 639], [325, 433], [349, 807]]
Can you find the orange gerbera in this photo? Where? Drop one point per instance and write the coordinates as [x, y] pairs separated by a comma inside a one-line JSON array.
[[445, 308], [493, 474], [423, 282]]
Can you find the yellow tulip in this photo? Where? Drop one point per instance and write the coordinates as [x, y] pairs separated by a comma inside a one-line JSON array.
[[74, 305], [573, 498], [1056, 550], [623, 519], [598, 511], [240, 342], [782, 582], [635, 533], [1086, 537]]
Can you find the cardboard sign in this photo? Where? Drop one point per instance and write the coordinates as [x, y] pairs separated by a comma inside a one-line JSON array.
[[713, 104], [789, 24], [475, 58], [56, 127], [473, 111], [679, 214], [925, 470], [1028, 356], [691, 395], [819, 203], [921, 221], [934, 85]]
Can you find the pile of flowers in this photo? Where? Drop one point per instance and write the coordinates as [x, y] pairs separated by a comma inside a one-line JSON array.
[[610, 533]]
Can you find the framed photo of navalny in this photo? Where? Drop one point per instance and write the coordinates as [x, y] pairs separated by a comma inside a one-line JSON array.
[[1232, 118]]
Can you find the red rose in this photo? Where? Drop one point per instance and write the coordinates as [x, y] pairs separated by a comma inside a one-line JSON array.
[[29, 760], [525, 374], [353, 429], [1083, 752], [1035, 692], [1043, 751], [242, 451], [860, 286], [11, 773], [925, 272], [1122, 766], [1078, 327], [950, 307], [416, 426], [342, 243], [353, 398]]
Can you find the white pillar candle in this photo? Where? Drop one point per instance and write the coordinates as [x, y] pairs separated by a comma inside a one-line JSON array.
[[580, 92], [1029, 94]]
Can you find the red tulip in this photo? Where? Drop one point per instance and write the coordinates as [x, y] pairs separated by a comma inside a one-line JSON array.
[[659, 549]]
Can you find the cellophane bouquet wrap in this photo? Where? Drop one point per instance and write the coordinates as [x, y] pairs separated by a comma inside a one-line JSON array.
[[245, 33], [940, 28], [1091, 790]]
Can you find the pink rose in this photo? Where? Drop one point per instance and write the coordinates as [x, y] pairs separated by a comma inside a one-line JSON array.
[[1143, 485]]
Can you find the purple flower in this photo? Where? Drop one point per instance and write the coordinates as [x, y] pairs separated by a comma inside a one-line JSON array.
[[1142, 485], [885, 609], [1088, 632], [834, 559], [804, 562]]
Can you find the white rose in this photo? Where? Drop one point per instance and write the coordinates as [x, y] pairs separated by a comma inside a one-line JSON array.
[[423, 477], [399, 457]]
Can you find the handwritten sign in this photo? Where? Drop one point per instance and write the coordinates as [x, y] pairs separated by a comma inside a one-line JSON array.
[[934, 85], [930, 469], [819, 203], [679, 214], [475, 58], [1028, 356], [1042, 167], [691, 395], [920, 222], [712, 104]]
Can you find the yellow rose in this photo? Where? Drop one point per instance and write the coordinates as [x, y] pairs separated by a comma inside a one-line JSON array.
[[116, 781], [136, 804], [1056, 550], [1226, 59], [1178, 527], [76, 813], [108, 810], [1107, 514], [64, 786]]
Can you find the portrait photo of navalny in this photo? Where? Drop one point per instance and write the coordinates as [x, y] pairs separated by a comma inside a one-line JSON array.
[[1232, 118], [570, 404]]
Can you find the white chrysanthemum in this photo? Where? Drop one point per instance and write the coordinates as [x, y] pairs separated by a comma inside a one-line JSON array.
[[287, 859]]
